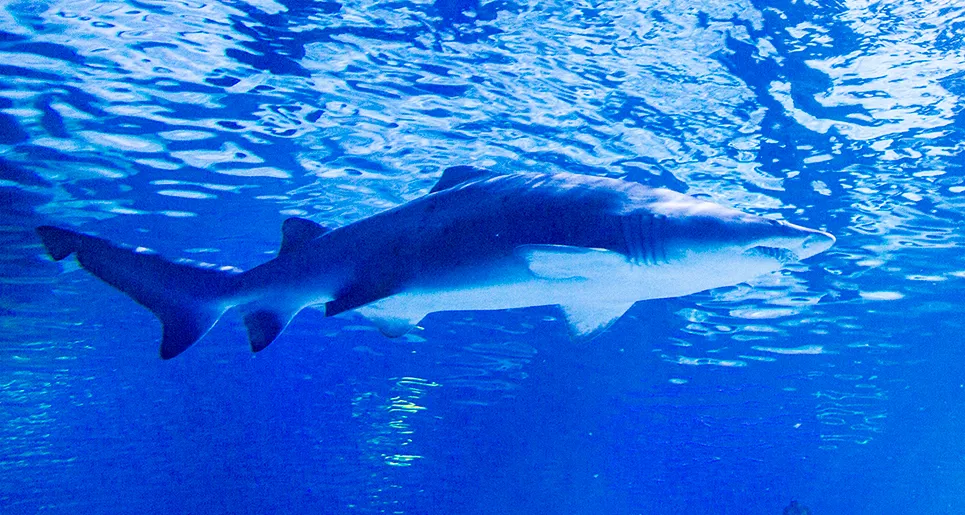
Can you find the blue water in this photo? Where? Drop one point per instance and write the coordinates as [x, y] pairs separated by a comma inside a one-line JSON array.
[[195, 127]]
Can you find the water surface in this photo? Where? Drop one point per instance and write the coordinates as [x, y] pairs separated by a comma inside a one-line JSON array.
[[196, 127]]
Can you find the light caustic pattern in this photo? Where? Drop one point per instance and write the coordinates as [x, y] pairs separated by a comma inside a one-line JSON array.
[[175, 114]]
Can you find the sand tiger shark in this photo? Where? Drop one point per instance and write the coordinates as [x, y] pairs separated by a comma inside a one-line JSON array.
[[479, 240]]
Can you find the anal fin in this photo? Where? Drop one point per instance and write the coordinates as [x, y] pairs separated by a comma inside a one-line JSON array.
[[265, 324], [585, 322]]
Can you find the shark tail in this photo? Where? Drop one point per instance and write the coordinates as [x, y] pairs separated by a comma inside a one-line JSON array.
[[187, 299]]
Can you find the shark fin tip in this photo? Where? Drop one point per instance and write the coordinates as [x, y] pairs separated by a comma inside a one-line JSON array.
[[182, 328], [264, 326], [59, 243], [587, 322], [297, 231], [456, 175]]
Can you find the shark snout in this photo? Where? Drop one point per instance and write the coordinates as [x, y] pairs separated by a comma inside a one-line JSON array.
[[818, 242], [813, 243], [787, 242]]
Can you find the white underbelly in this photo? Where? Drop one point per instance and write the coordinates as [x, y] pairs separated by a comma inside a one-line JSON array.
[[617, 287], [597, 292], [535, 292]]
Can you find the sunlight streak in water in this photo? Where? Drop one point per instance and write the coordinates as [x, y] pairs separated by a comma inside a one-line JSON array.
[[392, 435], [804, 349]]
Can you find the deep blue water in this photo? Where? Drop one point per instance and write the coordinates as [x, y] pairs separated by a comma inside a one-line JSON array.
[[195, 127]]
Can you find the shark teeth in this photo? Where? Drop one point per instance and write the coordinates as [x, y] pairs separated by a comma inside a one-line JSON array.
[[779, 254]]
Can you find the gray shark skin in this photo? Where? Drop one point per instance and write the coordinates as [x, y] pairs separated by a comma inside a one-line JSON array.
[[478, 241]]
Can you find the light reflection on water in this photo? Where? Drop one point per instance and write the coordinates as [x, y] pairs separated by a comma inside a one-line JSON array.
[[148, 120]]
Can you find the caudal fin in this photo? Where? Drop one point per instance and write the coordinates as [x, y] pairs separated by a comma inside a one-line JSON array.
[[188, 299]]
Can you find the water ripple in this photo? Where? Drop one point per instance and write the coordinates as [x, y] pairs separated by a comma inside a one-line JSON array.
[[231, 115]]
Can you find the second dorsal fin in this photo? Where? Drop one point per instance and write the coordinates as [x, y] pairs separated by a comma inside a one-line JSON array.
[[296, 231], [456, 175]]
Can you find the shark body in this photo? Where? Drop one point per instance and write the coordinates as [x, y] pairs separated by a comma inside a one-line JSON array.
[[478, 241]]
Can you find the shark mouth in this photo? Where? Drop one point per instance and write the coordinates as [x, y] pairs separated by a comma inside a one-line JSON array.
[[781, 255]]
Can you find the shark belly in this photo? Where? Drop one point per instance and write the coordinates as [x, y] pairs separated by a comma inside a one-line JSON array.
[[593, 287], [396, 314], [418, 302]]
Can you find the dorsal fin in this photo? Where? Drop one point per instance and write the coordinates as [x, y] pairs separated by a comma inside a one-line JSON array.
[[455, 175], [296, 231]]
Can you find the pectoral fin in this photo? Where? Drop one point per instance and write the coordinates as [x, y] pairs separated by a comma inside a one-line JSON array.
[[357, 295], [564, 262], [587, 321], [390, 324]]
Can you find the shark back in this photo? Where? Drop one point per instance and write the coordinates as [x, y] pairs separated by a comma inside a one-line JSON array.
[[466, 228]]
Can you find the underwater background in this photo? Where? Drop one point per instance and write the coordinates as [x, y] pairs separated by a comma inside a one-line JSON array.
[[195, 127]]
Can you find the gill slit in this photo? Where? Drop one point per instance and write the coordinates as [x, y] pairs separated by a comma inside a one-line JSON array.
[[651, 240], [659, 223], [632, 237]]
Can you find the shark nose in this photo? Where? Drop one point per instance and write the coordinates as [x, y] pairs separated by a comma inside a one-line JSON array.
[[817, 243]]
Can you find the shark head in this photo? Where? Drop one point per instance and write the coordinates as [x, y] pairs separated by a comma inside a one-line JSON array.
[[715, 246], [780, 240]]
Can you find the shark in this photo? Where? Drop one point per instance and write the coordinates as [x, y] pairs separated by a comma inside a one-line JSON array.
[[479, 240]]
